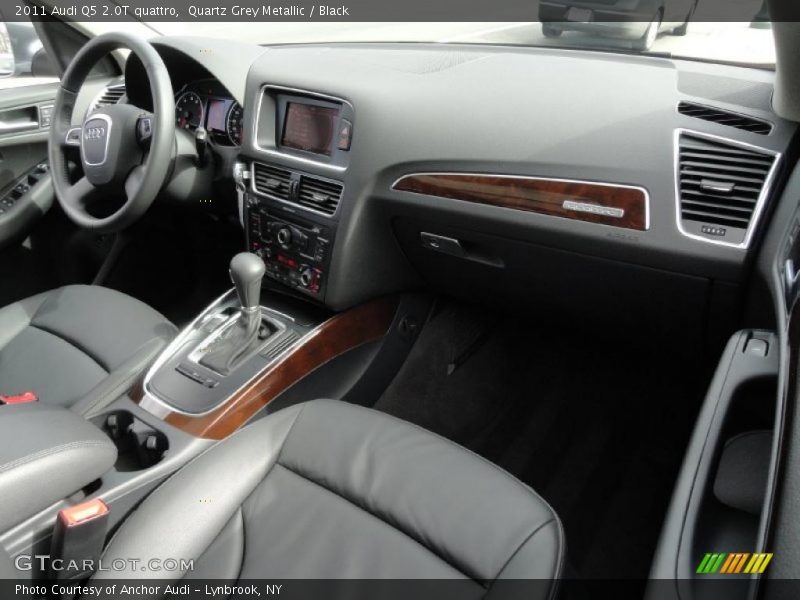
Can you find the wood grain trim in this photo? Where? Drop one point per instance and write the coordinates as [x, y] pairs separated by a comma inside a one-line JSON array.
[[607, 204], [345, 331]]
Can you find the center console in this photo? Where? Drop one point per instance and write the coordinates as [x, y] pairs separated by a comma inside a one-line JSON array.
[[295, 249], [290, 214]]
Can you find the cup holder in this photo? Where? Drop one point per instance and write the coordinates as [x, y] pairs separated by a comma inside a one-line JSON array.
[[139, 446]]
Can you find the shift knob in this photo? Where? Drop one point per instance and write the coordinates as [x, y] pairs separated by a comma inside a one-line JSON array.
[[247, 270]]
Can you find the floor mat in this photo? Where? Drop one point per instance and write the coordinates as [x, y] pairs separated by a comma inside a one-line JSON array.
[[598, 428]]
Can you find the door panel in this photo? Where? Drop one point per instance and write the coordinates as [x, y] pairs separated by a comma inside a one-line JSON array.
[[26, 192]]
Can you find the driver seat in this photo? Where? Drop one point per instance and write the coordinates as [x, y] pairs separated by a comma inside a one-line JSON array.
[[78, 346]]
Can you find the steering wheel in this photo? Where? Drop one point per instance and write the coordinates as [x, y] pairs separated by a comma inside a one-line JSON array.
[[125, 151]]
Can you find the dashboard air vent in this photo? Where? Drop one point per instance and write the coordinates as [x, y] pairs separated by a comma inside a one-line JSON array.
[[723, 117], [272, 180], [111, 95], [720, 186], [319, 194]]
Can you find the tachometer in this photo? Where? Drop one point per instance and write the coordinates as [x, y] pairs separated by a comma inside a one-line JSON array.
[[189, 111], [233, 125]]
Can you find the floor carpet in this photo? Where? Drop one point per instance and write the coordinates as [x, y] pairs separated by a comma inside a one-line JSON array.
[[596, 424]]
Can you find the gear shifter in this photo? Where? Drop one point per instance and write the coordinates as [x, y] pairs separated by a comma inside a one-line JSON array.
[[246, 272]]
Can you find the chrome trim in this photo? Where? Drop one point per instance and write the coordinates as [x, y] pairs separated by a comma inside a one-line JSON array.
[[72, 141], [533, 178], [108, 121], [284, 155], [594, 209], [180, 339], [760, 202], [289, 202]]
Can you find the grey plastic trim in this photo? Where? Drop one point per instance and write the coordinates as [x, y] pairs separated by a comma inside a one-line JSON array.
[[762, 198]]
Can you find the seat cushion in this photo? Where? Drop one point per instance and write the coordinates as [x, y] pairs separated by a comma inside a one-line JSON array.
[[77, 345], [331, 490]]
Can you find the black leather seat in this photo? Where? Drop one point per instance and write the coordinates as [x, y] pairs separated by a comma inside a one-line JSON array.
[[78, 346], [330, 490]]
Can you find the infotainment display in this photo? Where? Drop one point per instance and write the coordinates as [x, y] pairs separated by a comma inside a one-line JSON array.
[[310, 127]]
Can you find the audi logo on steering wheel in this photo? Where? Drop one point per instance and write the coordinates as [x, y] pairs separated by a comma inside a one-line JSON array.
[[94, 133]]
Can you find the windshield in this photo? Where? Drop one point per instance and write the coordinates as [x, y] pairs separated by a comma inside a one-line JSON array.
[[746, 43]]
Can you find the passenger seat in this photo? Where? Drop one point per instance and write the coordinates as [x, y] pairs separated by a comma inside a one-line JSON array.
[[330, 490]]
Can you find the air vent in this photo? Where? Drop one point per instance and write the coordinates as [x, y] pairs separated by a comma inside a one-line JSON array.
[[720, 187], [723, 117], [272, 180], [319, 194], [111, 95]]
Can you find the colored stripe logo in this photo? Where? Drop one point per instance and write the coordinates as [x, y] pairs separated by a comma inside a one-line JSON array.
[[734, 563]]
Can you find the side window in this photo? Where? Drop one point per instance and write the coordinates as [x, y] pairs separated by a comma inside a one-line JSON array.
[[23, 60]]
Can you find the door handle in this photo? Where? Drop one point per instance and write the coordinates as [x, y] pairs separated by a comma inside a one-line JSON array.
[[17, 126], [16, 120]]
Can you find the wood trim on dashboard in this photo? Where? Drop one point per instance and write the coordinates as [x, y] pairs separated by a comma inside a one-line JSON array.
[[339, 334], [604, 203]]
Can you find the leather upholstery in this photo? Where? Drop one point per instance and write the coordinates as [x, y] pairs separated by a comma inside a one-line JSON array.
[[78, 346], [47, 454], [327, 489]]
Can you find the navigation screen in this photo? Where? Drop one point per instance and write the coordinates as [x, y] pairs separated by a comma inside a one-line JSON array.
[[309, 127]]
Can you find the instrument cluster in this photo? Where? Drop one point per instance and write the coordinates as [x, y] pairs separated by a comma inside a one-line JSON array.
[[207, 104]]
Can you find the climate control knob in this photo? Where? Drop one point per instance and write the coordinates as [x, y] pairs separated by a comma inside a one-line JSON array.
[[284, 236], [306, 277]]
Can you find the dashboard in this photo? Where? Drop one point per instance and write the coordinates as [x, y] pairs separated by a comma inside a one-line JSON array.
[[495, 172]]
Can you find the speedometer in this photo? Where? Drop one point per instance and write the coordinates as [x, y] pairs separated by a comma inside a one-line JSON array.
[[189, 111], [233, 125]]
